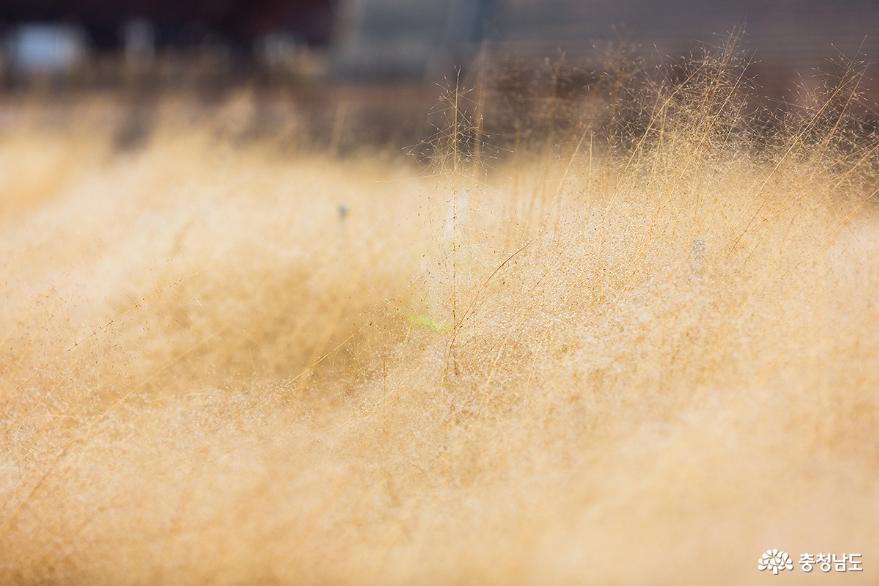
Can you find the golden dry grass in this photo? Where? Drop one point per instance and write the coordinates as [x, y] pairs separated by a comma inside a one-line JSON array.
[[636, 364]]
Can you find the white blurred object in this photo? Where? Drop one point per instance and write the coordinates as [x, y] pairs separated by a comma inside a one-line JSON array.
[[140, 41], [278, 49], [45, 48]]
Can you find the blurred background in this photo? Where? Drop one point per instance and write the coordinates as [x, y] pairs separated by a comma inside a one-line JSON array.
[[381, 64]]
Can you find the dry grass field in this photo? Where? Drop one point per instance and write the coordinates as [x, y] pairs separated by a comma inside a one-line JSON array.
[[619, 361]]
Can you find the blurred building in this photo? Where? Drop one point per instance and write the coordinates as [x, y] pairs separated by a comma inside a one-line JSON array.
[[793, 30], [423, 39], [406, 38], [177, 25]]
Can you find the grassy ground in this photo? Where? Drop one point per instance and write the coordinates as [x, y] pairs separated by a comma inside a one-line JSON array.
[[641, 361]]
